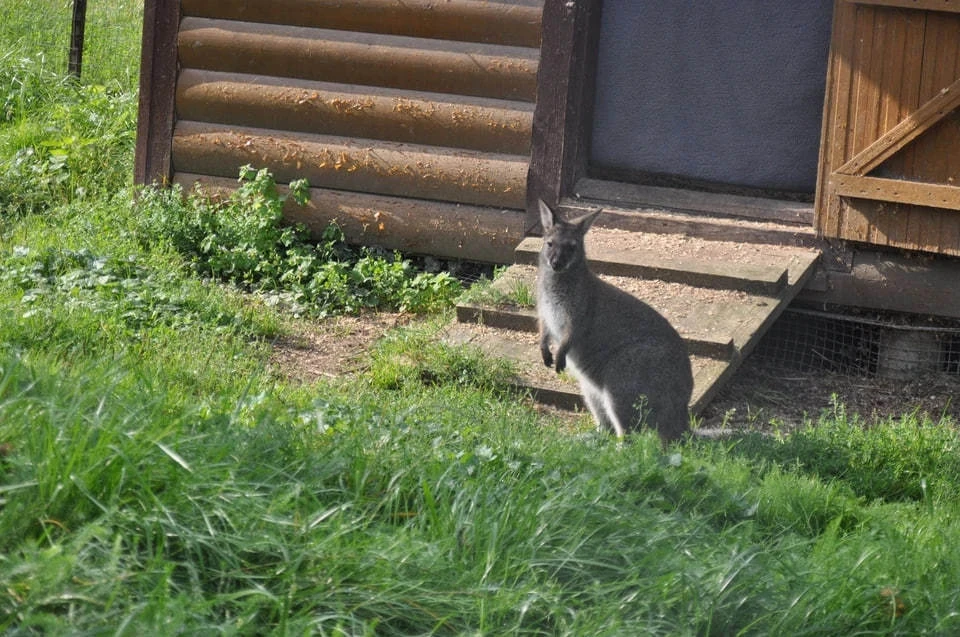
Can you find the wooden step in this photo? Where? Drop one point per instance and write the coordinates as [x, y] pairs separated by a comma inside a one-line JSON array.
[[372, 59], [508, 22], [344, 110], [562, 390], [387, 168], [655, 263], [720, 296]]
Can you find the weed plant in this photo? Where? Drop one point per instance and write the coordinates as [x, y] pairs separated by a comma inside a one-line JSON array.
[[244, 241], [156, 477]]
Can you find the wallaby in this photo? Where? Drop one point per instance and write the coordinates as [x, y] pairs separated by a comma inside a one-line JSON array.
[[633, 367]]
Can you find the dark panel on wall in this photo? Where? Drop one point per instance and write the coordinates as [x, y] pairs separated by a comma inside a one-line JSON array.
[[727, 92]]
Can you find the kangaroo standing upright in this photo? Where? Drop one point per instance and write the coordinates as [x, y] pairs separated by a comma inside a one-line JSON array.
[[633, 367]]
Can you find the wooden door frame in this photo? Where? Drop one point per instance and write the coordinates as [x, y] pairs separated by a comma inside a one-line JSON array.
[[563, 115]]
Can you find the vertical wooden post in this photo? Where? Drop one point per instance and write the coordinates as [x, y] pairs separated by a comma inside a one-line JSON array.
[[158, 82], [76, 36], [565, 92]]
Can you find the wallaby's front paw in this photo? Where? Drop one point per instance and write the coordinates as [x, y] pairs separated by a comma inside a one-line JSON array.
[[561, 362], [547, 356]]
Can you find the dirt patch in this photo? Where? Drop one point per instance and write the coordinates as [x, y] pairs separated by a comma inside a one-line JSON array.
[[333, 347], [764, 396], [760, 395]]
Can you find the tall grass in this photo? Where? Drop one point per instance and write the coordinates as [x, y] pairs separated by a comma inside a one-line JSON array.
[[158, 477]]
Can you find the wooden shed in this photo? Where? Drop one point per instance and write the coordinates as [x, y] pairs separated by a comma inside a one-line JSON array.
[[771, 149], [432, 126]]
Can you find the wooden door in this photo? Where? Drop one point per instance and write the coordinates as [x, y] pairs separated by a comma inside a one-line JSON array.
[[890, 151]]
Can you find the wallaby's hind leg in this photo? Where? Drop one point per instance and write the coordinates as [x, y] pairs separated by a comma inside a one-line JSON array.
[[598, 402]]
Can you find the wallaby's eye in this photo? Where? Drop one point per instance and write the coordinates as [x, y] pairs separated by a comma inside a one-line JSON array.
[[549, 243]]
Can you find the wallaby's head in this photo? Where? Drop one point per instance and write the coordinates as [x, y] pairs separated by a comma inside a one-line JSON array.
[[563, 240]]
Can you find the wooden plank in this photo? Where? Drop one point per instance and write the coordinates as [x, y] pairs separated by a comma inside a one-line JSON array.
[[388, 168], [897, 191], [349, 111], [417, 226], [949, 6], [932, 112], [892, 222], [932, 151], [695, 201], [515, 23], [895, 283], [836, 116], [699, 343], [483, 70], [158, 77], [564, 101], [755, 279], [700, 226], [868, 90]]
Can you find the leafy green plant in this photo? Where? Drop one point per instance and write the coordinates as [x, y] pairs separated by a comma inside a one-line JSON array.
[[244, 240]]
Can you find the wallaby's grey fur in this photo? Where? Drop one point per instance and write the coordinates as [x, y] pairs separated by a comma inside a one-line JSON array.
[[633, 367]]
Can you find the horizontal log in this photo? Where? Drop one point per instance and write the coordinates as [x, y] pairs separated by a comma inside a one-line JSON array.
[[512, 23], [449, 230], [349, 111], [347, 57], [405, 170]]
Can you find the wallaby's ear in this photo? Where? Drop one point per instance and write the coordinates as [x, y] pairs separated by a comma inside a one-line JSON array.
[[586, 220], [547, 218]]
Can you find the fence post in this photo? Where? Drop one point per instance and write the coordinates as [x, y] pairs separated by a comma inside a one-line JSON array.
[[76, 36]]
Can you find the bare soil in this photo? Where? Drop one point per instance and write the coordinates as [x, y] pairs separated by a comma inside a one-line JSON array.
[[759, 396]]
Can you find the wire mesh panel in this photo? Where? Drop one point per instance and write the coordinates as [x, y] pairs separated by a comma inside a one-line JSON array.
[[812, 341]]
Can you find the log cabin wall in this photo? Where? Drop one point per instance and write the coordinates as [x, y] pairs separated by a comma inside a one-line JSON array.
[[411, 119]]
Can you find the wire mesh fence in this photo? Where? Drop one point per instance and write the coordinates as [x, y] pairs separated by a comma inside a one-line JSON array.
[[41, 29], [816, 341]]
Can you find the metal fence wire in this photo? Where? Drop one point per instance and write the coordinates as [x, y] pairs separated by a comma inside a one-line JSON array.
[[817, 341]]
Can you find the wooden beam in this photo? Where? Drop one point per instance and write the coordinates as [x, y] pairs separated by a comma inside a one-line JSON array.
[[344, 110], [441, 66], [896, 191], [158, 81], [515, 23], [403, 170], [914, 125], [564, 103], [459, 231], [950, 6]]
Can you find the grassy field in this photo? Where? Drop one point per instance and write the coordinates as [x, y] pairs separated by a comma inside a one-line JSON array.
[[158, 477]]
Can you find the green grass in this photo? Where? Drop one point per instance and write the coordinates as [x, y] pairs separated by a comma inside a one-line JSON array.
[[157, 477]]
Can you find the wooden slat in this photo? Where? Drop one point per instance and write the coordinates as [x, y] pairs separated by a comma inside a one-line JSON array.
[[510, 23], [359, 58], [388, 168], [897, 191], [360, 112], [903, 133], [457, 231]]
